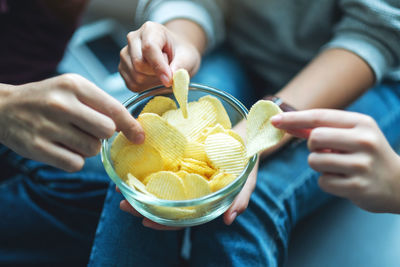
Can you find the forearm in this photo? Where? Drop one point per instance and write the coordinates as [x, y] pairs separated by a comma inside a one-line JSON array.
[[189, 31], [333, 79]]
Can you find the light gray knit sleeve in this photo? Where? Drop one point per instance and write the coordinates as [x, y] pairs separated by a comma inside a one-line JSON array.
[[208, 14], [370, 29]]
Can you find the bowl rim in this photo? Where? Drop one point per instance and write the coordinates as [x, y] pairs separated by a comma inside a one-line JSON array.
[[146, 199]]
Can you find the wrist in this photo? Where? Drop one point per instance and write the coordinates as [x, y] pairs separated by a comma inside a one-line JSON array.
[[190, 32]]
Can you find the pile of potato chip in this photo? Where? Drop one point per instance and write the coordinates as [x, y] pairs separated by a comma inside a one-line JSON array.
[[191, 151]]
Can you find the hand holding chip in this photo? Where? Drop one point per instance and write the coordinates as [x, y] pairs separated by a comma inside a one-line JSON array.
[[153, 54], [352, 155]]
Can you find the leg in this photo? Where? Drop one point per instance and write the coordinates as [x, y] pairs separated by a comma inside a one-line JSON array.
[[286, 191], [48, 217]]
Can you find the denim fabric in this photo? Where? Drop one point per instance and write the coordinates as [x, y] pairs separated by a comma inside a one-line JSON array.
[[47, 217], [286, 191]]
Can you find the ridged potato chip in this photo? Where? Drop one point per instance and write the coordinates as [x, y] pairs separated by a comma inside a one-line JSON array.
[[139, 160], [220, 180], [158, 105], [226, 153], [133, 182], [196, 151], [235, 135], [217, 128], [200, 116], [195, 186], [203, 170], [174, 213], [261, 134], [163, 137], [119, 142], [180, 87], [166, 185], [221, 115]]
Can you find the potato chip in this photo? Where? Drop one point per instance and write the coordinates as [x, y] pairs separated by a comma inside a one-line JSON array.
[[217, 128], [174, 213], [163, 137], [226, 153], [261, 134], [195, 186], [220, 180], [195, 168], [182, 173], [158, 105], [139, 160], [180, 87], [195, 150], [133, 182], [222, 117], [166, 185], [200, 116], [119, 142], [235, 135]]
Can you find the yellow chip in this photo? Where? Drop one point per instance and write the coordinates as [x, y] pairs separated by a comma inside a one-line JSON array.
[[180, 87], [201, 115], [158, 105], [140, 160], [261, 134], [195, 186], [166, 185], [195, 168], [226, 153], [174, 213], [217, 128], [220, 180], [163, 137], [133, 182], [119, 142], [182, 173], [195, 150], [222, 116], [235, 135]]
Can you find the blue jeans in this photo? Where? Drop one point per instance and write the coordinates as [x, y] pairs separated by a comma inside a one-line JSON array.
[[286, 191], [48, 217]]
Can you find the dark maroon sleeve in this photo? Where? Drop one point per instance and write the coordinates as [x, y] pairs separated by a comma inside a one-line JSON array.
[[33, 37]]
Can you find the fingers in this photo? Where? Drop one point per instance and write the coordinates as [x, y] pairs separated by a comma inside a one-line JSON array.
[[342, 186], [57, 155], [155, 42], [125, 206], [76, 140], [344, 140], [340, 164], [92, 96], [241, 201], [310, 119]]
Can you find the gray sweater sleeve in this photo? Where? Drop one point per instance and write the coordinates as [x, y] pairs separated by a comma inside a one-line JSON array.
[[208, 14], [370, 29]]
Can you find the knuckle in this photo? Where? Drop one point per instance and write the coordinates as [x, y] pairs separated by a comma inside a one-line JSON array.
[[363, 164], [55, 101], [312, 160], [140, 78], [147, 46], [366, 120], [70, 80], [147, 25], [131, 35], [368, 141], [313, 139], [94, 147], [138, 63], [122, 53], [357, 185]]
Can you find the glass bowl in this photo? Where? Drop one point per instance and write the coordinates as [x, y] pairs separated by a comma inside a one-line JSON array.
[[180, 213]]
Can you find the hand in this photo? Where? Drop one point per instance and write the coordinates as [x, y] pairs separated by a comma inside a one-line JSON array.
[[60, 121], [352, 155], [152, 55]]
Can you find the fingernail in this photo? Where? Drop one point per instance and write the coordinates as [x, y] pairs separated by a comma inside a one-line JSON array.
[[276, 120], [139, 138], [164, 79], [233, 217]]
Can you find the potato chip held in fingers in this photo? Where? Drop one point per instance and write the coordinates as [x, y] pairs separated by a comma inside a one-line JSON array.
[[261, 134], [180, 87]]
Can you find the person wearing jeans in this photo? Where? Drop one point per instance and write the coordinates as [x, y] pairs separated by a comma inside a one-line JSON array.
[[330, 54]]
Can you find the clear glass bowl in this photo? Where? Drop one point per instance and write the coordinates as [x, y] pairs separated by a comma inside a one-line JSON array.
[[183, 212]]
